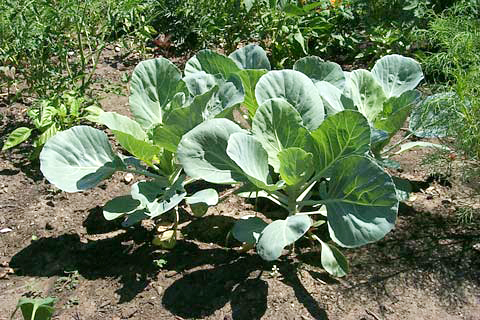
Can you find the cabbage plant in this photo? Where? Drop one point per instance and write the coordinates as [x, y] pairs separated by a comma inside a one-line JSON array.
[[316, 167], [164, 106], [312, 136]]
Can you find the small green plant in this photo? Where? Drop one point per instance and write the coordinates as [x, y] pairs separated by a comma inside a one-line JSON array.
[[49, 117], [70, 281], [160, 263], [35, 309]]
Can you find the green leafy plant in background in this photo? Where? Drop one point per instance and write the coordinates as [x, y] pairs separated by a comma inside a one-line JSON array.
[[286, 29], [453, 41], [49, 117], [36, 309], [453, 63], [52, 58]]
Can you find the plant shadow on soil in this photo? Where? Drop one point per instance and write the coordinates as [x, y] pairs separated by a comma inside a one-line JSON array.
[[427, 251], [219, 276], [422, 243]]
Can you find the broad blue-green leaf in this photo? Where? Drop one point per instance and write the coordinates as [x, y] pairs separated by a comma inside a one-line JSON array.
[[157, 196], [250, 79], [431, 119], [207, 196], [333, 261], [318, 70], [201, 200], [202, 152], [230, 92], [251, 56], [421, 144], [340, 135], [277, 125], [118, 122], [147, 191], [296, 166], [78, 158], [403, 187], [297, 89], [395, 111], [154, 83], [17, 136], [247, 229], [361, 202], [166, 202], [397, 74], [182, 120], [120, 206], [252, 159], [135, 217], [281, 233], [333, 98], [201, 82], [212, 63], [366, 93], [177, 101]]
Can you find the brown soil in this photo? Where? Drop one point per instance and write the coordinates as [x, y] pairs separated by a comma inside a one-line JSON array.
[[60, 246]]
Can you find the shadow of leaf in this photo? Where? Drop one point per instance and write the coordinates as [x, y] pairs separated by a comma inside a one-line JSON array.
[[201, 293], [249, 299]]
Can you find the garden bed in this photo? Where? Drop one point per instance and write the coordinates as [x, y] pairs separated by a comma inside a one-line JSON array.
[[59, 245]]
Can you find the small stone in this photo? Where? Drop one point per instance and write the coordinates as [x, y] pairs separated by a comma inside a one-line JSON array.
[[159, 289], [5, 230], [171, 273], [117, 49], [476, 246], [129, 312], [128, 177]]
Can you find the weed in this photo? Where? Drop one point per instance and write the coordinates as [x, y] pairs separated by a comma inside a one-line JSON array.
[[68, 282]]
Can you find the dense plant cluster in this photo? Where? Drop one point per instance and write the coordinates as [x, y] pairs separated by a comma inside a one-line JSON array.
[[314, 137], [311, 145]]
